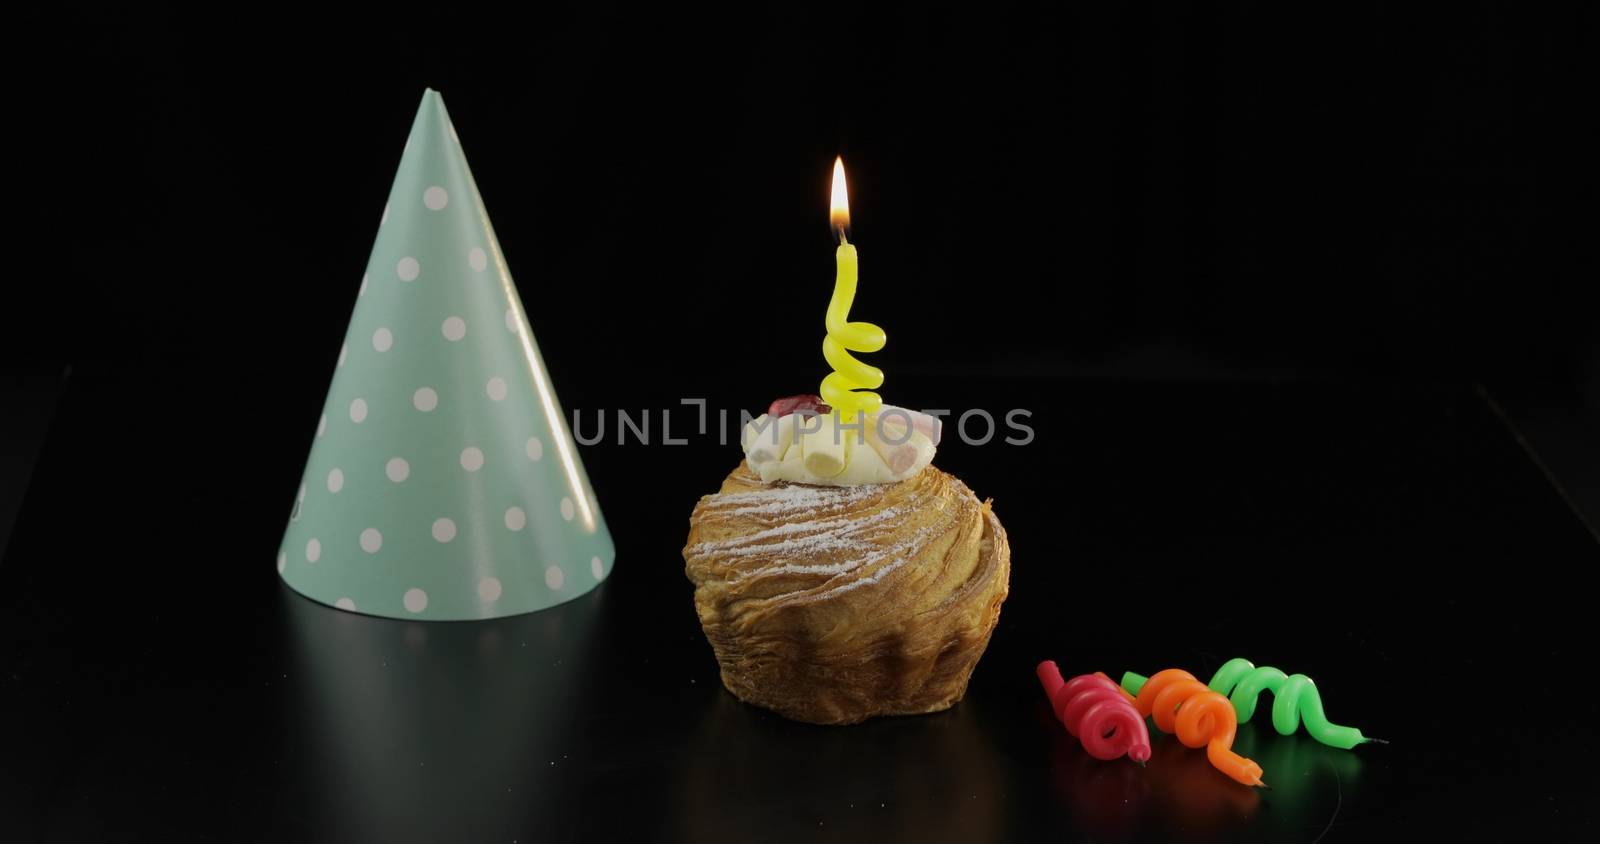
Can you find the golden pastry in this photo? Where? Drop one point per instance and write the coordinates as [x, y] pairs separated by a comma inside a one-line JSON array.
[[832, 603]]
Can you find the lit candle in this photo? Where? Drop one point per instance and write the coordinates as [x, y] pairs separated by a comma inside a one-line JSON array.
[[848, 388]]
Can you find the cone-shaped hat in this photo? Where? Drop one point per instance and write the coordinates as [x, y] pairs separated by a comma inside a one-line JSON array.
[[443, 482]]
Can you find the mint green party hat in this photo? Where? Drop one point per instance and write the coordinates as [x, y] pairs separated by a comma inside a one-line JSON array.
[[443, 482]]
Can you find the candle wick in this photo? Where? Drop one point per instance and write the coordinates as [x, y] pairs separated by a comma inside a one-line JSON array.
[[843, 238]]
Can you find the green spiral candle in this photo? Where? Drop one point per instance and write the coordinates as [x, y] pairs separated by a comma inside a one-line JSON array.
[[1295, 700]]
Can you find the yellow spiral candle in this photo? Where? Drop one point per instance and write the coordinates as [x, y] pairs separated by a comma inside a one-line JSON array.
[[848, 388]]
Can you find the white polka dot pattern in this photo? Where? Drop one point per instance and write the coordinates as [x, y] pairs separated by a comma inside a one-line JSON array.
[[436, 486]]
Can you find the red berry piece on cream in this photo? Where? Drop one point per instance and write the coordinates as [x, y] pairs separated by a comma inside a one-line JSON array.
[[795, 404]]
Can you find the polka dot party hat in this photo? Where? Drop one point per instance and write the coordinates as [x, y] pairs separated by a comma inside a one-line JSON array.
[[443, 482]]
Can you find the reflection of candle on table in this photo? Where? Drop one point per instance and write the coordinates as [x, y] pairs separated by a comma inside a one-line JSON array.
[[848, 388]]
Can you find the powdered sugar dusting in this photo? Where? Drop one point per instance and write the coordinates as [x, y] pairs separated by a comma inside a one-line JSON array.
[[877, 575], [821, 536], [814, 542], [873, 554], [788, 499]]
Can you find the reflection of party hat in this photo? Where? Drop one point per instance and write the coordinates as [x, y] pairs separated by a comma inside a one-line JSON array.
[[443, 482], [406, 723]]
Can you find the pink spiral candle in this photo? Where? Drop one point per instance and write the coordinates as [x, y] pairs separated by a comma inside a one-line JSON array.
[[1097, 712]]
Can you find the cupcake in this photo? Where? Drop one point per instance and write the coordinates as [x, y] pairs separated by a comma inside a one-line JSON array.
[[838, 575]]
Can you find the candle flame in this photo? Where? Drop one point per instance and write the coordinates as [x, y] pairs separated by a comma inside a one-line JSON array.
[[839, 210]]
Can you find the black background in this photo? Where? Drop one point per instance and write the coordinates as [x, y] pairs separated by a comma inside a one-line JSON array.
[[1289, 291], [1237, 190]]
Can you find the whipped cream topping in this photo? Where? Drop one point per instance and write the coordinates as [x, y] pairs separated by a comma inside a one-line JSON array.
[[820, 449]]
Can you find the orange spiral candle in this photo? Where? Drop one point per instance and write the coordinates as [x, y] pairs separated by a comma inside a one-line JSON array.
[[1199, 717]]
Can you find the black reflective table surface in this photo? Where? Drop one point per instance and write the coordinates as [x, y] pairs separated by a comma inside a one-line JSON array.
[[157, 682]]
